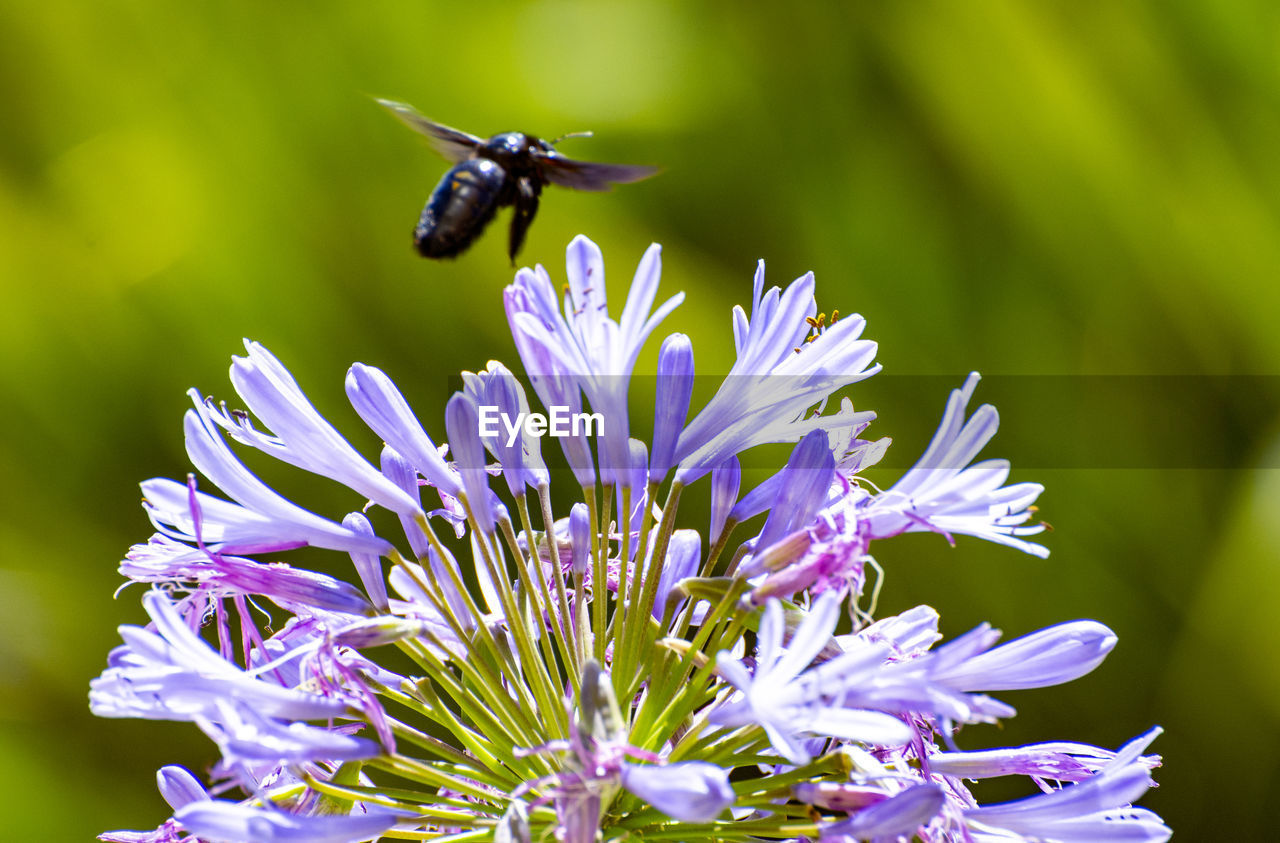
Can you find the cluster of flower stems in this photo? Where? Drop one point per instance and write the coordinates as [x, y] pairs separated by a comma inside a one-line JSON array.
[[509, 672]]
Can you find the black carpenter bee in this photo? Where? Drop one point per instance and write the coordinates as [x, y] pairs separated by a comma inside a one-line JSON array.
[[507, 169]]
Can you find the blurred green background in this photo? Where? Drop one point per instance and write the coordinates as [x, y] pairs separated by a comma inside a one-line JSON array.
[[1024, 189]]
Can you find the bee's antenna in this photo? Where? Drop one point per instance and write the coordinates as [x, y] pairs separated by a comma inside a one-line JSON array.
[[572, 135]]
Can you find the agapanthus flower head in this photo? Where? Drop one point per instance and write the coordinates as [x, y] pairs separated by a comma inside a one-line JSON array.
[[598, 669]]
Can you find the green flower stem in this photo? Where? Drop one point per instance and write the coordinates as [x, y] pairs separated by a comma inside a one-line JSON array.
[[626, 582], [538, 599], [557, 571], [482, 715], [646, 520], [499, 655], [746, 831], [416, 797], [600, 573], [548, 670], [548, 698], [696, 692], [462, 764], [378, 796], [640, 634], [598, 563], [738, 556], [454, 837], [547, 603], [672, 689], [424, 741], [722, 742], [425, 702], [722, 541], [489, 683], [417, 770], [554, 612], [653, 566], [647, 816]]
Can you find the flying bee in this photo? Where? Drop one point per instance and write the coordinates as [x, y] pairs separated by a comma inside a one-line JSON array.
[[507, 169]]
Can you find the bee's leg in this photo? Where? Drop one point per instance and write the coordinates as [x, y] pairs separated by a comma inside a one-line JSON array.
[[526, 206]]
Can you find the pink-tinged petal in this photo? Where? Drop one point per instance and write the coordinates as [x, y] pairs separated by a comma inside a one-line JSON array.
[[896, 816], [1096, 809]]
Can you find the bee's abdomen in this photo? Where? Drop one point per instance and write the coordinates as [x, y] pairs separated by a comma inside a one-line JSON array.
[[459, 208]]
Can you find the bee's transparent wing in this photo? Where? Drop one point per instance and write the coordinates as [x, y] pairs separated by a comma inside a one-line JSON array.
[[589, 175], [451, 143]]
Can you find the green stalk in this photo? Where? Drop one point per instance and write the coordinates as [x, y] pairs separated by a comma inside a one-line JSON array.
[[416, 770], [600, 573], [722, 541], [673, 689], [636, 635], [573, 664], [540, 595], [480, 670], [627, 580], [454, 837], [548, 698], [490, 725], [379, 797]]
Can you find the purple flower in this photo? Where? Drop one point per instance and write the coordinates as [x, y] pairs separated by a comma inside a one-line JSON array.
[[368, 565], [801, 490], [179, 788], [787, 704], [683, 554], [518, 452], [1094, 810], [777, 376], [833, 557], [940, 681], [171, 674], [726, 480], [943, 493], [579, 539], [163, 560], [245, 736], [898, 815], [402, 473], [838, 795], [907, 635], [262, 522], [384, 409], [302, 437], [1050, 656], [584, 346], [1060, 761], [231, 822], [631, 479], [690, 791], [671, 402], [852, 454], [227, 527], [728, 699], [462, 421]]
